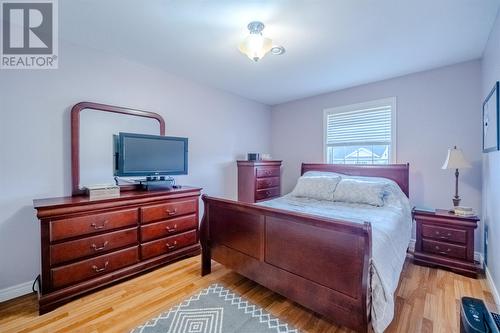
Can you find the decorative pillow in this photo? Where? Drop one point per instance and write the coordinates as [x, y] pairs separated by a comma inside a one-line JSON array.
[[320, 188], [322, 174], [359, 191]]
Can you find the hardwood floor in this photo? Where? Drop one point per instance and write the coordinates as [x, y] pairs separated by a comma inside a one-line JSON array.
[[427, 301]]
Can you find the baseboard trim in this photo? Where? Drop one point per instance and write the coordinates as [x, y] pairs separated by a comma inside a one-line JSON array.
[[478, 256], [493, 288], [15, 291]]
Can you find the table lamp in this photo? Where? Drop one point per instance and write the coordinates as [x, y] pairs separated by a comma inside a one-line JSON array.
[[456, 160]]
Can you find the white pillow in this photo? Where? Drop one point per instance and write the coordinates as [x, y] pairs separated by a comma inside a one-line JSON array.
[[360, 191], [320, 188]]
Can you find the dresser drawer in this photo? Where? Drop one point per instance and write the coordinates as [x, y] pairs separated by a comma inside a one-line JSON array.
[[268, 172], [168, 210], [89, 246], [84, 225], [444, 249], [86, 269], [262, 183], [267, 193], [168, 244], [444, 234], [166, 228]]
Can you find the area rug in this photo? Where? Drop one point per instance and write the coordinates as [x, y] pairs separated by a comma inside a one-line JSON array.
[[215, 310]]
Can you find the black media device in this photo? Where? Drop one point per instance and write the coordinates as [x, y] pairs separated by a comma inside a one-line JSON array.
[[153, 157], [253, 157], [475, 317]]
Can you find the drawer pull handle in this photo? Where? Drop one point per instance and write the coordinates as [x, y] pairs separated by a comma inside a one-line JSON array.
[[171, 212], [445, 237], [97, 227], [173, 246], [437, 233], [101, 247], [171, 229], [448, 250], [97, 269]]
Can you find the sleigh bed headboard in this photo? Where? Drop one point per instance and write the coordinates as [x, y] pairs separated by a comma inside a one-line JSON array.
[[396, 172]]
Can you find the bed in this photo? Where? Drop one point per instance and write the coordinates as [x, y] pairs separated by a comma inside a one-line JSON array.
[[340, 259]]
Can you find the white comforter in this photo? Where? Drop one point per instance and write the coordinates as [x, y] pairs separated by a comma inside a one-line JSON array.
[[391, 232]]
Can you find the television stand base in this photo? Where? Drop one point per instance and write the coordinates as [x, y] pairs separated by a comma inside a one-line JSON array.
[[154, 185]]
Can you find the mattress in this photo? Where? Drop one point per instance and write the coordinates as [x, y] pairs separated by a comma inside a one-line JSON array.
[[391, 233]]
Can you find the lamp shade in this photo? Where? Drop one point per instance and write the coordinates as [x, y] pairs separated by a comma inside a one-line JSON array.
[[455, 159]]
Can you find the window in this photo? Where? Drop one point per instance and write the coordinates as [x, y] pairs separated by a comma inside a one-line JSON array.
[[362, 133]]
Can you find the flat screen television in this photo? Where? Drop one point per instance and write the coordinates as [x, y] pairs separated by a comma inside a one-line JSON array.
[[150, 155]]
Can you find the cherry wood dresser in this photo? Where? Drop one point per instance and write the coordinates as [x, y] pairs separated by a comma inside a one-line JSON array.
[[446, 240], [258, 180], [86, 244]]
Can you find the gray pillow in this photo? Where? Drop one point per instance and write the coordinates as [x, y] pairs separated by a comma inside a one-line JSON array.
[[316, 187], [360, 191]]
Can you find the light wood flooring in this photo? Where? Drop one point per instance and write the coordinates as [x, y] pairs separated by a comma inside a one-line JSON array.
[[427, 301]]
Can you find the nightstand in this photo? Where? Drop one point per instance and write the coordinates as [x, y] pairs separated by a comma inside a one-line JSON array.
[[446, 240]]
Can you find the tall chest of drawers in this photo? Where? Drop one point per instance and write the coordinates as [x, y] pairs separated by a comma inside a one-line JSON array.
[[86, 244], [259, 180]]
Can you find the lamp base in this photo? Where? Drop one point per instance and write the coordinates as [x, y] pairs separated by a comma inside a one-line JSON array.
[[456, 203]]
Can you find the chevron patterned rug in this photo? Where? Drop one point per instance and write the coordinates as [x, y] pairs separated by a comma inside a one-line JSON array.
[[215, 310]]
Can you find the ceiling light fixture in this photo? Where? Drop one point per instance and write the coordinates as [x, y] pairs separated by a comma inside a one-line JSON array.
[[256, 46]]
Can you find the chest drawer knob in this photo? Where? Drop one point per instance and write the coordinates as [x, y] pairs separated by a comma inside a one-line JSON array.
[[102, 269], [101, 226], [171, 229], [171, 212], [99, 248], [172, 246]]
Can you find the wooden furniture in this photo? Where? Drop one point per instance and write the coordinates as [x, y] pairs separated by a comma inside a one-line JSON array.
[[75, 136], [258, 180], [87, 244], [446, 240], [320, 263]]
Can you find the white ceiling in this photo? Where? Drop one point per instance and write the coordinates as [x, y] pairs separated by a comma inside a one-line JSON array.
[[330, 44]]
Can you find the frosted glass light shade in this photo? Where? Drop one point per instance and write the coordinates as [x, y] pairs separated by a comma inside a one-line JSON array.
[[455, 160], [256, 46]]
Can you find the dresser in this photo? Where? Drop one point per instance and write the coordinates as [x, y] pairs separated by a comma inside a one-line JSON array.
[[87, 244], [258, 180], [446, 240]]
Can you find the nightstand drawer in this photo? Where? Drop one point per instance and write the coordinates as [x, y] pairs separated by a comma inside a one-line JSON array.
[[444, 234], [444, 249]]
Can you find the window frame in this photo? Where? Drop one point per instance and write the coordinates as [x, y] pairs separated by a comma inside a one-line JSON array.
[[359, 106]]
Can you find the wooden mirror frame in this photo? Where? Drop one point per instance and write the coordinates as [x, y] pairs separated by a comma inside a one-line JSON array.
[[75, 134]]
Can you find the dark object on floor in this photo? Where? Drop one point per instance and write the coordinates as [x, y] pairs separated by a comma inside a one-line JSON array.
[[475, 317]]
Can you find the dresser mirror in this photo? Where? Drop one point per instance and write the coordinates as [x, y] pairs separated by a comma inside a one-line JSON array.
[[93, 145]]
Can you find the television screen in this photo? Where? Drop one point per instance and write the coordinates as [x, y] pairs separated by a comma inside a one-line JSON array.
[[146, 155]]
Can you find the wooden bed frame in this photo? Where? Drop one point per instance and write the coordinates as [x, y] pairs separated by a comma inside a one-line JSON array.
[[320, 263]]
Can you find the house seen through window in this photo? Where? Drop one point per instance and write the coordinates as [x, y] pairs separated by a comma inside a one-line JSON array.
[[362, 133]]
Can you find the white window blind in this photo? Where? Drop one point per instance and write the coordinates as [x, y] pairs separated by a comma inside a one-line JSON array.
[[362, 126], [361, 134]]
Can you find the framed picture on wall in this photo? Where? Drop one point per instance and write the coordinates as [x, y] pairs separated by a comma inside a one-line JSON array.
[[491, 136]]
